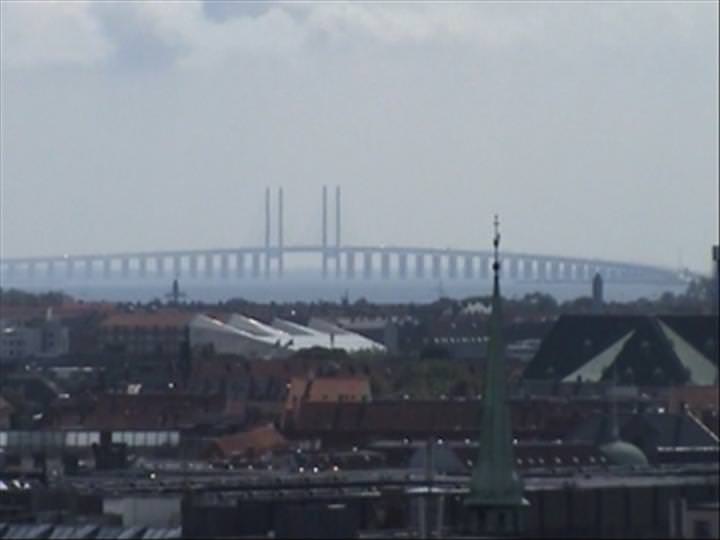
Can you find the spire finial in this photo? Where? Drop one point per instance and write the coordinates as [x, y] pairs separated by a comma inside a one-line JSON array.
[[496, 245]]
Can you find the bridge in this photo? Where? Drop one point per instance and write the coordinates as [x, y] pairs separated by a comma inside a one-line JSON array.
[[334, 261]]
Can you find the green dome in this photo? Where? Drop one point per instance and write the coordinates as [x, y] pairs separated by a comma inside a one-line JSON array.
[[623, 453]]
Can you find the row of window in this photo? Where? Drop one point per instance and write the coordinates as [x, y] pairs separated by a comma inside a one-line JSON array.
[[81, 439]]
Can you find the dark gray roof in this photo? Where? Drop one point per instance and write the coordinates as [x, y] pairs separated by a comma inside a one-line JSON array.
[[658, 430], [29, 531], [444, 460], [648, 353], [69, 531]]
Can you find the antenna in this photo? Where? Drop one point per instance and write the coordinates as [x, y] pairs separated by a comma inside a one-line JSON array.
[[496, 246]]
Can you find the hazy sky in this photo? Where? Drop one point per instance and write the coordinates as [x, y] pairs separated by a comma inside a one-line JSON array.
[[592, 129]]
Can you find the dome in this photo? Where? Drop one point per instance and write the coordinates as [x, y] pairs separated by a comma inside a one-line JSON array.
[[623, 453]]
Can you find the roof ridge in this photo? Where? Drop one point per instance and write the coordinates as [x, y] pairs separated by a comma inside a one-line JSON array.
[[702, 426]]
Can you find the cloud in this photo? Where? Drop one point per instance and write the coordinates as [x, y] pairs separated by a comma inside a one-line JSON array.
[[51, 33], [197, 33], [191, 33]]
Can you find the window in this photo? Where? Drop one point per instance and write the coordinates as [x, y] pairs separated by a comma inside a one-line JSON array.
[[151, 438]]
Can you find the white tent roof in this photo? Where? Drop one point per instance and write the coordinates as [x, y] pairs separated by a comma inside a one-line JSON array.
[[243, 334]]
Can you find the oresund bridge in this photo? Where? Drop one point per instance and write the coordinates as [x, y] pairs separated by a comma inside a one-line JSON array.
[[335, 260]]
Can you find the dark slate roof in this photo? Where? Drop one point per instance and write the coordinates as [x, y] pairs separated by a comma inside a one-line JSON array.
[[443, 460], [576, 339], [38, 531], [650, 429], [30, 531], [700, 331], [70, 531]]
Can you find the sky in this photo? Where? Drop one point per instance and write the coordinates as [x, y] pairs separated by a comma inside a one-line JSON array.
[[590, 128]]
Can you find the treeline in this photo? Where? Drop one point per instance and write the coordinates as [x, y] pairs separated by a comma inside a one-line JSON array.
[[16, 297]]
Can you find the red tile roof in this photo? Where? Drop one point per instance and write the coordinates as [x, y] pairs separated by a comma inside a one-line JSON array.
[[327, 389], [421, 417], [62, 312], [142, 411], [166, 318], [695, 397], [255, 441]]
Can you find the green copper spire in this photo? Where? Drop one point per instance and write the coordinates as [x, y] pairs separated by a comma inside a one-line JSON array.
[[495, 488]]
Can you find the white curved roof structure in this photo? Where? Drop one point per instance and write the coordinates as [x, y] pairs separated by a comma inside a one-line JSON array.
[[249, 337]]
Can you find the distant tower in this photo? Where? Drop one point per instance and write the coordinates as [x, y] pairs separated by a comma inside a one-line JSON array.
[[597, 294], [175, 293], [496, 501]]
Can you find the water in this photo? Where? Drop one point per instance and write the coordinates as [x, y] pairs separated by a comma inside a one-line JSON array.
[[310, 288]]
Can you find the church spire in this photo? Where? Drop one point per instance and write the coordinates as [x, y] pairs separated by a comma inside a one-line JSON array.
[[496, 490]]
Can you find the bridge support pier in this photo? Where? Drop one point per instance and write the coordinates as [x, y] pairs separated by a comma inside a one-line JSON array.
[[256, 264], [240, 265], [224, 265], [468, 270], [385, 265], [452, 266], [142, 262], [350, 256], [160, 267], [402, 266], [367, 265], [209, 260], [420, 266], [436, 267]]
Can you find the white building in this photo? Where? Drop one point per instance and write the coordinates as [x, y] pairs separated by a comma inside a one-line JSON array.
[[45, 339], [246, 336]]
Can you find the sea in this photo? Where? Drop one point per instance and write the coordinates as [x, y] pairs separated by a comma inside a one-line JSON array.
[[307, 287]]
